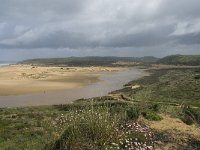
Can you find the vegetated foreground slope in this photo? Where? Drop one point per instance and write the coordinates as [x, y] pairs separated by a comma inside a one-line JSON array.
[[181, 60], [88, 61], [180, 86], [160, 111], [175, 93]]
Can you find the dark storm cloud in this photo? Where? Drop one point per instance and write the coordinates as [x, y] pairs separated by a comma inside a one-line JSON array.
[[100, 27], [189, 39], [56, 39], [154, 37]]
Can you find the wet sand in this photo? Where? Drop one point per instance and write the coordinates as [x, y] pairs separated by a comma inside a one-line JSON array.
[[104, 82], [24, 79]]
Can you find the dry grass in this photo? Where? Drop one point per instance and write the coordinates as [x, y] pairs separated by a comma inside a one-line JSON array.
[[172, 132]]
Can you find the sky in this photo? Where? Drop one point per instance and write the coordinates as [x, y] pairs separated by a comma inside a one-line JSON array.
[[63, 28]]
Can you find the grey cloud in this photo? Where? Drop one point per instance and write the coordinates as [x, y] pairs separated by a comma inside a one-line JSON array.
[[56, 39], [183, 9], [23, 8], [100, 27], [151, 37], [188, 39]]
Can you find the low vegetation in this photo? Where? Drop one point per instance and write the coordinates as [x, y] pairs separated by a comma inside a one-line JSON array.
[[92, 126], [172, 86], [192, 60], [161, 112], [91, 61], [168, 92]]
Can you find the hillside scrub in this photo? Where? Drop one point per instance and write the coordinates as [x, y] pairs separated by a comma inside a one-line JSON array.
[[193, 60], [172, 86], [96, 128]]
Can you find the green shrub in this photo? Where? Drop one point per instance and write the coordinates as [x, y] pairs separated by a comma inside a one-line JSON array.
[[155, 107], [91, 130], [133, 113], [117, 109], [187, 120], [190, 115], [197, 77], [150, 115]]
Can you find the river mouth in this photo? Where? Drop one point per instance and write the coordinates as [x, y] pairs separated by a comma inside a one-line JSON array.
[[109, 81]]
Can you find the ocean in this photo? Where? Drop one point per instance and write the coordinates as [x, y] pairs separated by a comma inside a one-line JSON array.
[[5, 63]]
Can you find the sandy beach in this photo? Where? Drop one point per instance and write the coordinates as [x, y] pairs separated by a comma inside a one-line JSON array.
[[23, 79]]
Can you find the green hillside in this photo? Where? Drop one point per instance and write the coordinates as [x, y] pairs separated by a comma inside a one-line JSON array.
[[181, 60], [87, 61]]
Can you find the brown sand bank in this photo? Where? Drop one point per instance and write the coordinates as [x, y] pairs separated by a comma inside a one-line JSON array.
[[23, 79]]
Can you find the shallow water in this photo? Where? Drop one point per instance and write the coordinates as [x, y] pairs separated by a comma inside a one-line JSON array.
[[109, 81]]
